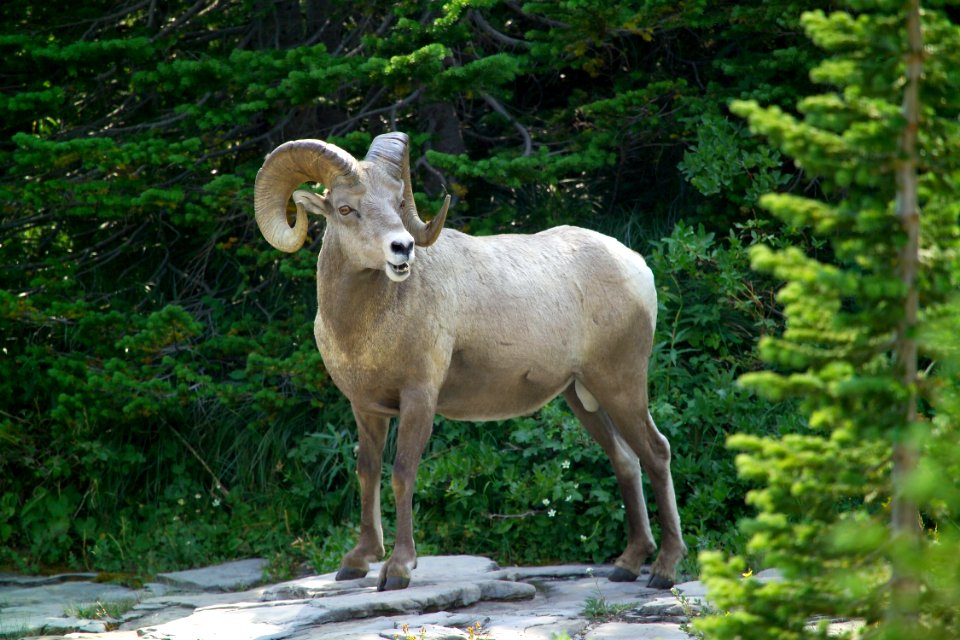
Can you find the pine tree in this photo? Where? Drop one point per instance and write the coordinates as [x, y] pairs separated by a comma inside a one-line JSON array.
[[861, 513]]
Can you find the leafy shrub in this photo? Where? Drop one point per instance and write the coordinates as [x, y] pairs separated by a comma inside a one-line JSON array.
[[712, 311]]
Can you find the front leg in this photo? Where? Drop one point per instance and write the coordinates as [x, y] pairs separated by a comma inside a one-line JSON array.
[[417, 408], [372, 434]]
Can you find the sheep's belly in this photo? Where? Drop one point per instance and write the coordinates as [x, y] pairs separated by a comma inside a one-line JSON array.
[[492, 397]]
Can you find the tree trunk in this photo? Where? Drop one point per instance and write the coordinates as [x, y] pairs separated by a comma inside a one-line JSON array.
[[904, 523], [441, 121]]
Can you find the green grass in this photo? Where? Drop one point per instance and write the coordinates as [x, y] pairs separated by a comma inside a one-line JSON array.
[[598, 609], [100, 610]]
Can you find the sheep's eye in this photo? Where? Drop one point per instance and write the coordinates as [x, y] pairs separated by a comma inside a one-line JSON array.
[[345, 210], [403, 203]]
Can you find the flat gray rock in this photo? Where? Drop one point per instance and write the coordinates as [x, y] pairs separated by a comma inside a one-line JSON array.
[[138, 618], [13, 579], [447, 596], [389, 627], [306, 607], [427, 632], [281, 618], [534, 627], [568, 597], [430, 570], [695, 589], [196, 600], [563, 571], [625, 631], [49, 607], [63, 594], [503, 590], [230, 576], [666, 606]]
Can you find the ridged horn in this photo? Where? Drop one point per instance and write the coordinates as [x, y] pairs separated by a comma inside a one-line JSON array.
[[391, 152], [286, 168]]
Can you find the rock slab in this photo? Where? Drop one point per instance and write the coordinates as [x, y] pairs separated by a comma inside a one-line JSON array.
[[230, 576], [624, 631], [54, 606], [279, 611], [449, 598]]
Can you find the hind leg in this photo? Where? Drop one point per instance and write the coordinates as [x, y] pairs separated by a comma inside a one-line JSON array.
[[635, 425], [626, 467]]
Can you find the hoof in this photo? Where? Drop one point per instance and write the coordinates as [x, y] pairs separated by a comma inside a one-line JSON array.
[[393, 583], [349, 573], [659, 582], [619, 574]]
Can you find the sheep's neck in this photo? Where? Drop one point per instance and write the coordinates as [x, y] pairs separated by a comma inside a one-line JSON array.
[[353, 304]]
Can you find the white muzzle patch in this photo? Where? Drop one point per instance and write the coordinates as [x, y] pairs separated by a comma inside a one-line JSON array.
[[398, 272], [399, 252]]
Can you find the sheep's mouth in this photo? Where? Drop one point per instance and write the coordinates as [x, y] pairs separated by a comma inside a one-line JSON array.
[[398, 272]]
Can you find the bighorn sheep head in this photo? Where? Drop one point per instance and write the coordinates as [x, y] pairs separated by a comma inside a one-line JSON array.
[[368, 204]]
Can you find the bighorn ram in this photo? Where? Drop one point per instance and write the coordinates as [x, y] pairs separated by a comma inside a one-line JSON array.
[[413, 322]]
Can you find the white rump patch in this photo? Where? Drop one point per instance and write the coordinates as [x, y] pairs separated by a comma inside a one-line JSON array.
[[586, 398]]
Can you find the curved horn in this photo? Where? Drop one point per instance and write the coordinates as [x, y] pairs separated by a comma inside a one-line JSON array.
[[286, 168], [391, 151]]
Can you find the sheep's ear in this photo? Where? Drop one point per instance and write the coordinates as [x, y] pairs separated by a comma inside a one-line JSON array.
[[313, 202]]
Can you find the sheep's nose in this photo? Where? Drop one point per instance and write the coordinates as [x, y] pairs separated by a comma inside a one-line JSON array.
[[401, 248]]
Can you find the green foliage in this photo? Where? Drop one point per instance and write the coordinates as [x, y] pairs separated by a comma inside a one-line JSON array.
[[823, 497], [719, 163], [712, 311], [498, 489]]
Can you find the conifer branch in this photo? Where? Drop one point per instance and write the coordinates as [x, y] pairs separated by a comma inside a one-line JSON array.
[[499, 108], [502, 38], [556, 24], [346, 125]]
